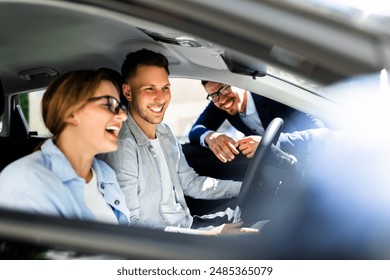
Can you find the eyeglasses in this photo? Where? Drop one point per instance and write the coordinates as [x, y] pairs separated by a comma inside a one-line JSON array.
[[224, 90], [113, 105]]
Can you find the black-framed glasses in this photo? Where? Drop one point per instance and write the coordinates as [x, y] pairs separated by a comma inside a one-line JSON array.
[[223, 90], [113, 105]]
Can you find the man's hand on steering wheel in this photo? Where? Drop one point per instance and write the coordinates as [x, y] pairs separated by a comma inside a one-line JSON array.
[[254, 171]]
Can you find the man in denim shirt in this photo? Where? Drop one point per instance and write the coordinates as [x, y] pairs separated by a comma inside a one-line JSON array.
[[149, 163]]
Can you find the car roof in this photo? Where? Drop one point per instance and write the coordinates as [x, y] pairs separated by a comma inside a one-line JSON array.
[[42, 38]]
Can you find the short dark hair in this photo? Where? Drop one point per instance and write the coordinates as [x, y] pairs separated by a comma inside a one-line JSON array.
[[142, 57], [204, 82]]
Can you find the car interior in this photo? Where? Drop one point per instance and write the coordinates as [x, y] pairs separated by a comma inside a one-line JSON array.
[[41, 39], [52, 60]]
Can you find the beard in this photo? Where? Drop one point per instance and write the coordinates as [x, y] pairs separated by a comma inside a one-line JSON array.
[[148, 116]]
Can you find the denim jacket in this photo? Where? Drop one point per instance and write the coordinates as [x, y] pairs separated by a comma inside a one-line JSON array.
[[45, 182], [138, 174]]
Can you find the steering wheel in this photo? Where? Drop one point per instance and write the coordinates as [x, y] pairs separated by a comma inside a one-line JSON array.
[[256, 165]]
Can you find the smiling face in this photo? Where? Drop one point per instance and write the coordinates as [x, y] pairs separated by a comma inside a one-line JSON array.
[[230, 102], [97, 126], [149, 94]]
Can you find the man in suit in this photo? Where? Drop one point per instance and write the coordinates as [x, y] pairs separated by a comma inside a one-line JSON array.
[[250, 114]]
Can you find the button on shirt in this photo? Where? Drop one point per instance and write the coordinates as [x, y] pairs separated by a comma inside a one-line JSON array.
[[96, 203], [142, 182]]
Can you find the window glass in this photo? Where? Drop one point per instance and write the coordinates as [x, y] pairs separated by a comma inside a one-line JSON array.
[[188, 100], [31, 106]]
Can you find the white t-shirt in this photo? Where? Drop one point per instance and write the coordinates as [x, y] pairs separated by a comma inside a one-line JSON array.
[[172, 211], [96, 203]]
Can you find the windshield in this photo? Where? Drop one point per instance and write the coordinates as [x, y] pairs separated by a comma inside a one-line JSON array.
[[371, 15]]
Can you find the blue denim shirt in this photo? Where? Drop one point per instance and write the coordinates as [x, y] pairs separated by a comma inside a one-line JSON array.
[[139, 176], [45, 182]]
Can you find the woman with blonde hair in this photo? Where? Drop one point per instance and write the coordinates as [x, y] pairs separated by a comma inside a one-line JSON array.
[[63, 178]]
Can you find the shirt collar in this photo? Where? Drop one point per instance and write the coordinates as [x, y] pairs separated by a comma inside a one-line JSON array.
[[61, 166], [250, 105], [138, 134]]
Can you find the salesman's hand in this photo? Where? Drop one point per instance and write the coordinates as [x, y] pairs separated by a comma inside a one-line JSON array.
[[248, 145], [223, 146]]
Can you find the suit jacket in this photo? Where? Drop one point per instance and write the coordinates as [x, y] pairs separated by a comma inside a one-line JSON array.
[[213, 117]]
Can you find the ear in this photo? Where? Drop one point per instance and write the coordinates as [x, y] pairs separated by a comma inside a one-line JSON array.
[[71, 120], [126, 89]]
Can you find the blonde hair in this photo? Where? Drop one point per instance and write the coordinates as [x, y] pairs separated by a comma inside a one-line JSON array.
[[67, 92]]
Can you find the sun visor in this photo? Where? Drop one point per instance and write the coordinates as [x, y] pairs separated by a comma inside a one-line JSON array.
[[244, 65]]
